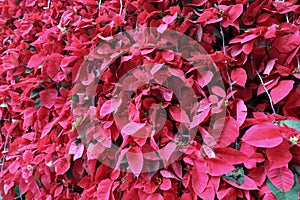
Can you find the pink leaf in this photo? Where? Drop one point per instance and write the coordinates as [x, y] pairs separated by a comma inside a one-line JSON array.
[[135, 160], [270, 65], [132, 128], [198, 119], [76, 150], [167, 151], [104, 189], [109, 107], [241, 112]]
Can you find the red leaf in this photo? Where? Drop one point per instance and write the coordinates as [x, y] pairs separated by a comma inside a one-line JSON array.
[[155, 196], [179, 115], [199, 179], [264, 134], [61, 165], [135, 160], [282, 178], [231, 155], [218, 167], [239, 75], [229, 133], [280, 155], [281, 90], [35, 61], [48, 97]]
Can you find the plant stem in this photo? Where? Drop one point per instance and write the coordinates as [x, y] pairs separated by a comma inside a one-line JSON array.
[[224, 51], [266, 90]]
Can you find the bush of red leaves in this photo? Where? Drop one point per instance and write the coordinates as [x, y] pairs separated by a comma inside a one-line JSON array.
[[255, 46]]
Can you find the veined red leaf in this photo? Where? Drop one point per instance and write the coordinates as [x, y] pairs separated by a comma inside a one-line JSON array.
[[280, 155], [199, 179], [281, 177], [231, 155], [265, 134], [61, 165]]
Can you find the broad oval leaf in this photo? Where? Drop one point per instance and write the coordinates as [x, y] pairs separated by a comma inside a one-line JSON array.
[[264, 134]]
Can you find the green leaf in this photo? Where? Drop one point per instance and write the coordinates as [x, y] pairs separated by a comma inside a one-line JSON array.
[[28, 70], [38, 103], [290, 195], [35, 92], [69, 172], [236, 176], [76, 123], [295, 124], [17, 190], [74, 98], [217, 33]]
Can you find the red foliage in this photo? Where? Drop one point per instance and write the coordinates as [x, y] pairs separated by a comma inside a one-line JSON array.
[[254, 45]]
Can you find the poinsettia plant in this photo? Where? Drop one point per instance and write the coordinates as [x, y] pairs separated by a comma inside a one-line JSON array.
[[157, 99]]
